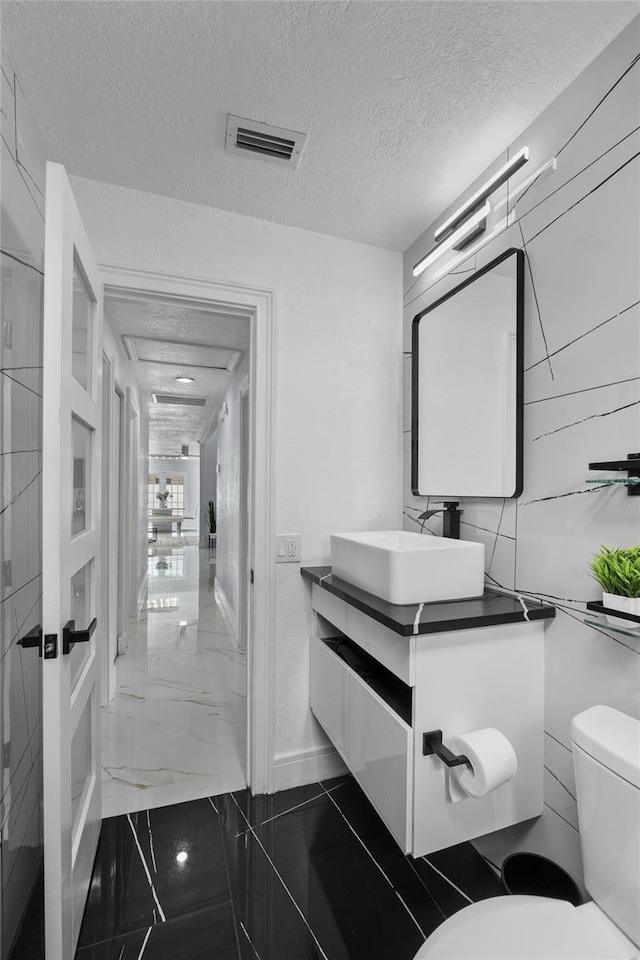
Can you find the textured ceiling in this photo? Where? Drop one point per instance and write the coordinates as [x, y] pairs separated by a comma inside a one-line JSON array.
[[172, 426], [404, 103]]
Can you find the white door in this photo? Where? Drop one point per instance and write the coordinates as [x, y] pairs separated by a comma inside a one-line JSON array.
[[71, 558]]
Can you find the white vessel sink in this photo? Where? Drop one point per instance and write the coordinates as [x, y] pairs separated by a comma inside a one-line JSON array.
[[405, 568]]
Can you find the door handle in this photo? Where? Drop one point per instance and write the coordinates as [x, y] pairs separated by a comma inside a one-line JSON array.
[[33, 638], [71, 636]]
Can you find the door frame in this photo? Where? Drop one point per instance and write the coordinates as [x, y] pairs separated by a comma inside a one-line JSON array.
[[130, 509], [119, 481], [108, 520], [246, 511], [259, 303]]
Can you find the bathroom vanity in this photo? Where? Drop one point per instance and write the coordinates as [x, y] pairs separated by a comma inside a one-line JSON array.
[[384, 674]]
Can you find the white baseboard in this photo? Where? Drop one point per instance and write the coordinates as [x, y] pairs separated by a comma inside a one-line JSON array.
[[306, 766], [228, 609], [141, 590]]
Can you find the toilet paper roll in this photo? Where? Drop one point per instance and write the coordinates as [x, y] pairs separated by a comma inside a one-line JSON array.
[[493, 762]]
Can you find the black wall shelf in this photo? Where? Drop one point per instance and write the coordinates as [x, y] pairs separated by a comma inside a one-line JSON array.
[[632, 468], [598, 607]]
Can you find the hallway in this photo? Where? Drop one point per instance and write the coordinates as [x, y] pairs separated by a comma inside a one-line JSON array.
[[176, 728]]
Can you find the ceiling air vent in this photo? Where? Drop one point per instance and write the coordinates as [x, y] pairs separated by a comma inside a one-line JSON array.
[[176, 398], [260, 140]]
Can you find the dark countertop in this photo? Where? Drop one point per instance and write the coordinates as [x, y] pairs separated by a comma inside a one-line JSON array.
[[486, 611]]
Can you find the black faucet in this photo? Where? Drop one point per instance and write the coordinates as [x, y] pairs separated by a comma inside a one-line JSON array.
[[450, 518]]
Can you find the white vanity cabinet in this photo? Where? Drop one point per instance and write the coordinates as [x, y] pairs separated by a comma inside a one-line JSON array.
[[374, 742], [395, 686]]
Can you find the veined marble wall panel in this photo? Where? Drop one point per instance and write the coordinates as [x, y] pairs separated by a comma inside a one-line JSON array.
[[580, 229], [22, 239]]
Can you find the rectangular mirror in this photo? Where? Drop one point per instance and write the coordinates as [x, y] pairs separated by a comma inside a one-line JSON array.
[[467, 383]]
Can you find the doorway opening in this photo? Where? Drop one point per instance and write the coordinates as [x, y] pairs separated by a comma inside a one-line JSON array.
[[200, 594]]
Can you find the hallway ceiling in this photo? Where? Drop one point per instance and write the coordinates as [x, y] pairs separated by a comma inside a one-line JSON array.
[[404, 103], [178, 341]]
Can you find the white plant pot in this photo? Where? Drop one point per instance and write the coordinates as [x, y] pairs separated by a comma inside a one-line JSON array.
[[626, 604]]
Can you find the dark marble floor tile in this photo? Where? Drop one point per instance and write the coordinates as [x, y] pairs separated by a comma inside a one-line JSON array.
[[261, 809], [401, 870], [271, 927], [29, 944], [332, 878], [316, 876], [269, 923], [467, 869], [461, 864], [336, 781], [154, 865], [449, 899], [204, 935]]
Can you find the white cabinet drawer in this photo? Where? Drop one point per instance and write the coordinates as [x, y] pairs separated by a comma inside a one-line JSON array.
[[373, 740], [380, 756], [328, 693]]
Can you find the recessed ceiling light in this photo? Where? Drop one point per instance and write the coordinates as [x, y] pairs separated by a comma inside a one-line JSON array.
[[185, 380]]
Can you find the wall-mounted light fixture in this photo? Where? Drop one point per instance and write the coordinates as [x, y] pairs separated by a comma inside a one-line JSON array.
[[492, 184], [457, 239], [470, 220], [224, 412], [547, 168]]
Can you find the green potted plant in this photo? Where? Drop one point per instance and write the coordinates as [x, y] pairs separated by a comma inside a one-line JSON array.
[[618, 573], [163, 497]]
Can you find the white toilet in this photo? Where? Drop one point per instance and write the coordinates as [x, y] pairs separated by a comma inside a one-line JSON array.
[[606, 756]]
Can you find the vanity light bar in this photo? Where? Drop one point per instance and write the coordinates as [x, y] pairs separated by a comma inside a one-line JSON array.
[[549, 167], [469, 229], [492, 184]]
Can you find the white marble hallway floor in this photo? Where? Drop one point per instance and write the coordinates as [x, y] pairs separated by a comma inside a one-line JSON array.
[[176, 728]]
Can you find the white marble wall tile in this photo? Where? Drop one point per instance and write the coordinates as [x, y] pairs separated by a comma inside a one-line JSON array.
[[558, 757], [28, 150], [22, 233], [7, 96], [558, 798], [580, 228]]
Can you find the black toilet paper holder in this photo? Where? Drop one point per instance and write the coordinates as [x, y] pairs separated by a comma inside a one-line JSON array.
[[432, 743]]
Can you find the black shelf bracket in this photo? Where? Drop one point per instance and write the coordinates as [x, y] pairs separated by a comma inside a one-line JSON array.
[[432, 743], [631, 466]]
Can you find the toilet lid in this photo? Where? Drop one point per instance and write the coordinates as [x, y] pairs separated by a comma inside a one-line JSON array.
[[527, 928]]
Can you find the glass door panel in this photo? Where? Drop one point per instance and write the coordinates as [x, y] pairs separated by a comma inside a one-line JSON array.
[[82, 330], [81, 489]]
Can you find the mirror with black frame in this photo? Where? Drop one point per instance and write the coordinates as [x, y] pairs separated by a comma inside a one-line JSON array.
[[467, 386]]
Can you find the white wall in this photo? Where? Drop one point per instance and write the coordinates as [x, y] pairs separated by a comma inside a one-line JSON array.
[[338, 368], [21, 514], [581, 231], [191, 469]]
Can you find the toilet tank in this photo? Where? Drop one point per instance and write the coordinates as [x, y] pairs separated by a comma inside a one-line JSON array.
[[606, 760]]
